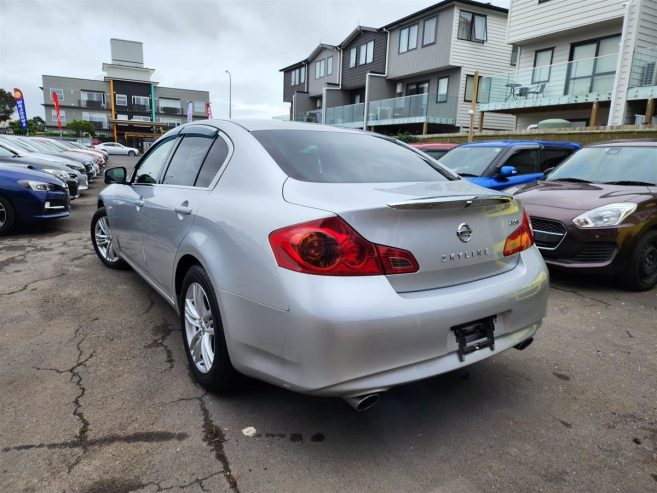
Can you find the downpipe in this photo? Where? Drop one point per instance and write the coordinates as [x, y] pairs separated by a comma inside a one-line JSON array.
[[362, 402]]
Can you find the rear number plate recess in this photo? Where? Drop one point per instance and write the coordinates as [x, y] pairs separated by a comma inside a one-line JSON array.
[[473, 336]]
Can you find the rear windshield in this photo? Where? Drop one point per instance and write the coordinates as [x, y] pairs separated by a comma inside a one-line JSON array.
[[470, 161], [336, 157]]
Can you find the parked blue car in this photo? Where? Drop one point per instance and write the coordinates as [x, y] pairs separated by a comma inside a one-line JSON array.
[[27, 195], [503, 163]]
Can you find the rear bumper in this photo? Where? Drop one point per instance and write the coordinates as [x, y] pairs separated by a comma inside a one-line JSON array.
[[350, 336]]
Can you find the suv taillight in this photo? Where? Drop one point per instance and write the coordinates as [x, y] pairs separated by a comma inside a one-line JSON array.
[[521, 239], [331, 247]]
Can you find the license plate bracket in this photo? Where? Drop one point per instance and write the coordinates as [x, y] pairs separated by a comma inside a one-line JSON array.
[[476, 335]]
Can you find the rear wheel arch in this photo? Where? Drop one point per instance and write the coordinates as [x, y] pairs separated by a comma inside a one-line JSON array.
[[184, 264]]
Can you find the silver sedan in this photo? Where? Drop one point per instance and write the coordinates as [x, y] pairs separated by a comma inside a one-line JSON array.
[[327, 261]]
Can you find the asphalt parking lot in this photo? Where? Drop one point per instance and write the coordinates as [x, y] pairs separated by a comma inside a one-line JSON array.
[[97, 397]]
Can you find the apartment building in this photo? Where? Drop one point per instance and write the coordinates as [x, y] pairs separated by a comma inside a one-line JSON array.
[[415, 74], [126, 104], [591, 62]]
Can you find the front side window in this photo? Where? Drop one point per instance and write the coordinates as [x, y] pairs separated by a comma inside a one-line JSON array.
[[441, 94], [524, 160], [332, 157], [153, 163], [408, 39], [187, 160], [121, 100], [470, 161], [352, 57], [429, 31], [542, 65], [472, 27]]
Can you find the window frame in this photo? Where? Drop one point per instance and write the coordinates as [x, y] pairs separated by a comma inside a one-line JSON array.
[[535, 80], [408, 37], [471, 34], [435, 30], [480, 100], [438, 94], [53, 115], [329, 65], [353, 57], [320, 68], [59, 92], [116, 99], [515, 55], [133, 99]]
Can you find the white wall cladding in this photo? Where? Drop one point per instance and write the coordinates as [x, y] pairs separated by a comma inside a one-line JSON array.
[[529, 19], [647, 36]]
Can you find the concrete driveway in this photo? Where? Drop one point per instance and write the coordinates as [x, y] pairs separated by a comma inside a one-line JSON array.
[[96, 396]]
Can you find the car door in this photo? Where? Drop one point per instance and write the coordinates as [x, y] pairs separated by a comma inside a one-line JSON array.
[[525, 160], [126, 214], [169, 210]]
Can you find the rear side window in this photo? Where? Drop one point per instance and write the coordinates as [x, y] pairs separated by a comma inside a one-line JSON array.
[[525, 161], [551, 157], [187, 160], [213, 161], [336, 157]]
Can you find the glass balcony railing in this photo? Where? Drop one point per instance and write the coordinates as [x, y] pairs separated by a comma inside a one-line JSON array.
[[585, 80], [643, 76], [418, 108], [346, 116]]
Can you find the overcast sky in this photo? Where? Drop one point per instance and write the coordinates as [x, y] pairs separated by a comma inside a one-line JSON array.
[[189, 43]]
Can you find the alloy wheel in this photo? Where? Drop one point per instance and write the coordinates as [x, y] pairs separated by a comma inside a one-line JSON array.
[[3, 215], [104, 240], [199, 327]]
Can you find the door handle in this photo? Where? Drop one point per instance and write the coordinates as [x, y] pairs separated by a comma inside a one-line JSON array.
[[183, 210], [139, 204]]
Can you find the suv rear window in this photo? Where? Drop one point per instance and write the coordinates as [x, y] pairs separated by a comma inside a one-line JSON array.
[[337, 157]]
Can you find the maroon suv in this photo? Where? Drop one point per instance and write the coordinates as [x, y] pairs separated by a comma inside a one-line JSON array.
[[597, 212]]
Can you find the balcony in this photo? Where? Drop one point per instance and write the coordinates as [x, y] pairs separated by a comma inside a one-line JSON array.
[[350, 116], [99, 125], [90, 103], [581, 81], [643, 76], [419, 108], [169, 110]]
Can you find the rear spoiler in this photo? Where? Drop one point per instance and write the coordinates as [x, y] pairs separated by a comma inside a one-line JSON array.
[[451, 202]]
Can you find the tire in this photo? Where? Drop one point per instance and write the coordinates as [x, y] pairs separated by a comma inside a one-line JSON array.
[[7, 215], [213, 370], [131, 153], [105, 252], [641, 273]]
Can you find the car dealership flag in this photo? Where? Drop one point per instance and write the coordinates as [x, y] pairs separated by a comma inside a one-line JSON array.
[[20, 107], [56, 101], [208, 110], [190, 108]]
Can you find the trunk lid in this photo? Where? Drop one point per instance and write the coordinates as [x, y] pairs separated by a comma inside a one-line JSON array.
[[423, 218]]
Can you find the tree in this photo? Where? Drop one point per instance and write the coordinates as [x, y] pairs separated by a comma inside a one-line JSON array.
[[15, 126], [7, 105], [39, 123], [81, 127]]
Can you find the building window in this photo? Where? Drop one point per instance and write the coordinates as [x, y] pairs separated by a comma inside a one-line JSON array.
[[62, 115], [483, 89], [329, 66], [352, 57], [138, 118], [171, 122], [121, 117], [302, 74], [294, 77], [298, 76], [199, 107], [169, 106], [417, 88], [320, 68], [366, 53], [92, 99], [441, 93], [472, 27], [141, 101], [59, 92], [592, 66], [514, 55], [121, 100], [408, 39], [99, 120], [429, 31], [542, 65]]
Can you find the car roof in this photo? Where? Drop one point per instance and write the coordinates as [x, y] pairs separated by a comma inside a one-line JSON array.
[[510, 143], [272, 124], [435, 145], [626, 143]]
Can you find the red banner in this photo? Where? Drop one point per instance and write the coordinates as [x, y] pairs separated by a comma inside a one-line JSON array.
[[208, 110], [56, 101]]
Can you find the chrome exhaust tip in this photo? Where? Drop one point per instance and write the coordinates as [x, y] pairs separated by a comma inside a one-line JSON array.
[[362, 402]]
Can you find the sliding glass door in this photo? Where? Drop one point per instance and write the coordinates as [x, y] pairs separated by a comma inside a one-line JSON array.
[[593, 66]]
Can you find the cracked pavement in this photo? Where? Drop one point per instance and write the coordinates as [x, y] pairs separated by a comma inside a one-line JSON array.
[[96, 396]]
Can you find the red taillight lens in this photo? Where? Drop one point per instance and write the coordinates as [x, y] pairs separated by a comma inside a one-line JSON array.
[[521, 239], [331, 247]]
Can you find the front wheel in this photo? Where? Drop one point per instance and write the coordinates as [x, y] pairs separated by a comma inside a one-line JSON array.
[[7, 215], [641, 273], [101, 238], [203, 334], [131, 153]]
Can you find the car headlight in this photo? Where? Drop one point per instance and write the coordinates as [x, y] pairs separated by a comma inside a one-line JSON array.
[[37, 186], [607, 215], [62, 175]]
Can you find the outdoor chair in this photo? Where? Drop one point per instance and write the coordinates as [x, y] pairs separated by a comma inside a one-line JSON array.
[[537, 90]]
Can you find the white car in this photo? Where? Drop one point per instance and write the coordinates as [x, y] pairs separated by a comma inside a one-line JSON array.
[[116, 148]]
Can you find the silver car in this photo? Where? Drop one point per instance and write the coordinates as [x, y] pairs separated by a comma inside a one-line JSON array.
[[326, 261]]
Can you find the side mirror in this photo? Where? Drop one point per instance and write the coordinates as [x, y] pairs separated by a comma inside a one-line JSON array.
[[507, 171], [116, 175], [549, 170]]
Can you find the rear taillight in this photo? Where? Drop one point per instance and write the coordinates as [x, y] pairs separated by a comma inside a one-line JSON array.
[[333, 248], [521, 239]]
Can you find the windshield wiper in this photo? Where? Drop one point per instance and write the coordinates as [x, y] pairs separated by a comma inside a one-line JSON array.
[[467, 175], [574, 180], [629, 182]]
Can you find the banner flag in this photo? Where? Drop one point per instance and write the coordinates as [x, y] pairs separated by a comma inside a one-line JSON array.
[[56, 101], [20, 107], [208, 110], [190, 108]]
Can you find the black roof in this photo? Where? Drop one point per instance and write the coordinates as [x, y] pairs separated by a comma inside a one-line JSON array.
[[445, 3]]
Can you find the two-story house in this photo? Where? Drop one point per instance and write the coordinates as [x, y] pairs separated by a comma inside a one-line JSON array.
[[591, 62], [416, 74]]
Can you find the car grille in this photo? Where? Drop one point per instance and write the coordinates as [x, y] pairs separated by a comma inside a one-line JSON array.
[[596, 252], [548, 234]]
